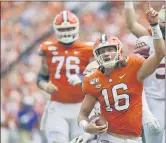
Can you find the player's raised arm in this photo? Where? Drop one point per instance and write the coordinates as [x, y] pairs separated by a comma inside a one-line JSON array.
[[150, 65], [132, 24]]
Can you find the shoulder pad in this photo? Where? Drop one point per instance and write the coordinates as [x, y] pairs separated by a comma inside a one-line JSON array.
[[89, 43], [92, 65], [90, 68], [47, 43]]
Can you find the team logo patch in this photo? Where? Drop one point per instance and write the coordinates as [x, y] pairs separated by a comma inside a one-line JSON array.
[[94, 80]]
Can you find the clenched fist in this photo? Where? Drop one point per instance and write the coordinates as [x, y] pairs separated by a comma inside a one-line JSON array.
[[152, 16], [48, 87], [74, 80], [92, 128]]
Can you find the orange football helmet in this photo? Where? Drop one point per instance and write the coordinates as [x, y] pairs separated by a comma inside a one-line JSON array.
[[108, 41], [66, 27]]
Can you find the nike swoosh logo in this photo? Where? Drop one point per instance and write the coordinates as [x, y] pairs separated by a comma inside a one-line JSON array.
[[122, 76]]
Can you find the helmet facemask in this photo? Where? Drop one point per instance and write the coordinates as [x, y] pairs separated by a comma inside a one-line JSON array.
[[67, 35], [109, 58]]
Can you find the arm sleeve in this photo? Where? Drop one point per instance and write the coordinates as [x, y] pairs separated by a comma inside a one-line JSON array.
[[137, 60], [41, 51], [87, 88]]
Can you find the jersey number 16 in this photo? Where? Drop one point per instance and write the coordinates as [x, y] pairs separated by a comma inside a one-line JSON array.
[[116, 98]]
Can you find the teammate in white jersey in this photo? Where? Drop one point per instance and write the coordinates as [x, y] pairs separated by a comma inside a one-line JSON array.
[[154, 85]]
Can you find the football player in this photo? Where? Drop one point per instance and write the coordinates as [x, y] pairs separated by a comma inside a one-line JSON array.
[[118, 86], [62, 58], [147, 117], [154, 85]]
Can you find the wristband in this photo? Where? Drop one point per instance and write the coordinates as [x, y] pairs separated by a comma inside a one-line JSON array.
[[152, 25], [42, 77], [83, 124], [129, 5], [156, 32]]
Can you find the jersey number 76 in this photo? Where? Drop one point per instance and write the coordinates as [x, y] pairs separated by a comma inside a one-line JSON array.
[[68, 65]]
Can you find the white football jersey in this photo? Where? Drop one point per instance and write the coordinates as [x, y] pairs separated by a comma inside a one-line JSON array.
[[154, 85]]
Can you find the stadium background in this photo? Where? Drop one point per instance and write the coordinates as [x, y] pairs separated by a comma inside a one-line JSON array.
[[24, 25]]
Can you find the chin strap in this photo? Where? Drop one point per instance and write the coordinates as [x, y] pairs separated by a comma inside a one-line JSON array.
[[101, 68], [118, 64], [109, 65]]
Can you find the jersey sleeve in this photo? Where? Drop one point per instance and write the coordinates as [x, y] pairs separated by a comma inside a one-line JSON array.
[[42, 50], [137, 60], [87, 88]]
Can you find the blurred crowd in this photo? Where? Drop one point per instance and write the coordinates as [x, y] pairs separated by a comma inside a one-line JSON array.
[[21, 24]]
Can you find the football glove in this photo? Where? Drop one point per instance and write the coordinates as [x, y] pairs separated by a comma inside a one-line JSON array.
[[153, 125], [74, 80]]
